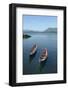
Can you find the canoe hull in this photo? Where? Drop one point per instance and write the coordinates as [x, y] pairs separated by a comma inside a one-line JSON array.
[[34, 51], [44, 58]]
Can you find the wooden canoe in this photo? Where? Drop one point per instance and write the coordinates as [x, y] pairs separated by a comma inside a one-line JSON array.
[[44, 55], [33, 49]]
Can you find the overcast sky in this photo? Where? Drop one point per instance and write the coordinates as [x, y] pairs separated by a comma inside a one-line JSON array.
[[39, 23]]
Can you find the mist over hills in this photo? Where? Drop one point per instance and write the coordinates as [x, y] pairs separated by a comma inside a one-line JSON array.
[[49, 30]]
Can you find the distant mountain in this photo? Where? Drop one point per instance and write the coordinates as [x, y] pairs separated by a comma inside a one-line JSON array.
[[29, 31], [51, 30]]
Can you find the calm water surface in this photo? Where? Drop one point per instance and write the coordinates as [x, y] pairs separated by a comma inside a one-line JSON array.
[[31, 65]]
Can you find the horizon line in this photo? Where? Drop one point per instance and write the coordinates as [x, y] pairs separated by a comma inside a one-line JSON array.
[[38, 30]]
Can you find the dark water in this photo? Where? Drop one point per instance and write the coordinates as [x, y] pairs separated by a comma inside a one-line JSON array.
[[31, 65]]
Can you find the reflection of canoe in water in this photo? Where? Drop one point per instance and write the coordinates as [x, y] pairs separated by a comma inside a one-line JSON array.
[[33, 49], [31, 57], [44, 55], [42, 65]]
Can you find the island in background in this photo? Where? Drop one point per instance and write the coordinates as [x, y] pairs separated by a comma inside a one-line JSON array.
[[26, 36], [49, 30]]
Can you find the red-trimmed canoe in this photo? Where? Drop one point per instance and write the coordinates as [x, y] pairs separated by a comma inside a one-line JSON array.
[[33, 49], [44, 55]]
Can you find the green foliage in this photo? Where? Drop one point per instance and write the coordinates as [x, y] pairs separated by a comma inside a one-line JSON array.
[[26, 36]]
